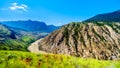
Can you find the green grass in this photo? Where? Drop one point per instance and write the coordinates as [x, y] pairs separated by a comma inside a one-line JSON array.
[[17, 44], [17, 59]]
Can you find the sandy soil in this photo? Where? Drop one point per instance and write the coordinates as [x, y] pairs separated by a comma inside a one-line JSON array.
[[34, 47]]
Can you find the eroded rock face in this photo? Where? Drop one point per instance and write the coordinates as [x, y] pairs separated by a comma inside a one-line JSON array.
[[89, 40]]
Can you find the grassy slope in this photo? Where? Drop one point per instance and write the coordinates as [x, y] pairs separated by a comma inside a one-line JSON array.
[[17, 44], [17, 59]]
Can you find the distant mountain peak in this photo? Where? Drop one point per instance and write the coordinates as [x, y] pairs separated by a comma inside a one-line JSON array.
[[118, 11], [30, 25], [29, 20], [106, 17]]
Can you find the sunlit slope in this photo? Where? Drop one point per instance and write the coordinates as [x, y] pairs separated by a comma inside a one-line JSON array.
[[99, 40], [16, 59]]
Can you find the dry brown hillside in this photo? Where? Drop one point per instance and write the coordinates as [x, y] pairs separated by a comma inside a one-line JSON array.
[[89, 40]]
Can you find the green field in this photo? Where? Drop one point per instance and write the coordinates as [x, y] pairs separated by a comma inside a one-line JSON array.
[[17, 59]]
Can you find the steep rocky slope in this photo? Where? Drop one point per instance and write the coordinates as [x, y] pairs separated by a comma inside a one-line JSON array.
[[89, 40]]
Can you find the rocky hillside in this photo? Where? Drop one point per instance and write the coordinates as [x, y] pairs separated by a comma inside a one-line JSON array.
[[89, 40], [106, 17]]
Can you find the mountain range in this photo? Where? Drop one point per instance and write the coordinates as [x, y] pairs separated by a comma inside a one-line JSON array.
[[18, 35], [106, 17], [31, 26], [97, 37]]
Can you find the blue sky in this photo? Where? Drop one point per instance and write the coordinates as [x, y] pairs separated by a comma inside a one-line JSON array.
[[56, 12]]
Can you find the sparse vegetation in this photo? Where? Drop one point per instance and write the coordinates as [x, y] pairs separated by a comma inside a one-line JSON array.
[[86, 39], [101, 37], [66, 34]]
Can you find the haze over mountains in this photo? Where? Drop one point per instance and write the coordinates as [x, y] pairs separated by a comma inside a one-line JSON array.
[[18, 35], [106, 17], [31, 26]]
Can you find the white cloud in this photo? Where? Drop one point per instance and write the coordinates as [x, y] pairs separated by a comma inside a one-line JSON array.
[[21, 7]]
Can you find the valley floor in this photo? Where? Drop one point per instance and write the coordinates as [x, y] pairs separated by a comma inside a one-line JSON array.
[[18, 59], [34, 47]]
